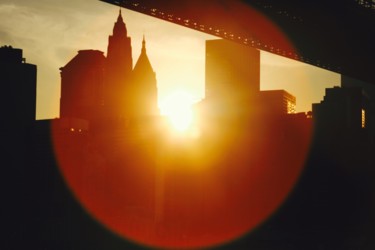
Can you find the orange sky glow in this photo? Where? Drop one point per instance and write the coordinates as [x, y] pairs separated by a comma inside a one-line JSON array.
[[50, 34]]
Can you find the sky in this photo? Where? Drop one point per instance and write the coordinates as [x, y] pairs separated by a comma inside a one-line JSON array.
[[51, 33]]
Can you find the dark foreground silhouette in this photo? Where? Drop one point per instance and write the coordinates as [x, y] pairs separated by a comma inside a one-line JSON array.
[[54, 178]]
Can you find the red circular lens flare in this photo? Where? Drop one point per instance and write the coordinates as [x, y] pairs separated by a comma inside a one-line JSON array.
[[183, 194], [208, 191]]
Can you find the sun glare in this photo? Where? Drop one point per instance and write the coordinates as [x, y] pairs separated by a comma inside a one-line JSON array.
[[177, 107]]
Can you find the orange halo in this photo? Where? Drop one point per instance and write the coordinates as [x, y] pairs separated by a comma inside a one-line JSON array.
[[159, 192]]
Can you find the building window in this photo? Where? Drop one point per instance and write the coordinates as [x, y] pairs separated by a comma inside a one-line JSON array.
[[291, 107], [363, 121]]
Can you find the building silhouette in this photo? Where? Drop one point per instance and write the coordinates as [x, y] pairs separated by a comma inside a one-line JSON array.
[[342, 110], [342, 130], [18, 83], [106, 89], [369, 94], [231, 66], [144, 91], [119, 65], [233, 83], [82, 86], [232, 79], [277, 102]]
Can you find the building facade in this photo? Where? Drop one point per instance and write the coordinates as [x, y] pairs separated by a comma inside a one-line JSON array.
[[277, 102], [341, 109]]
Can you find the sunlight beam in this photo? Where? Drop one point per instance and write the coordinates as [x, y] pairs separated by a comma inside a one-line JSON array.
[[177, 107]]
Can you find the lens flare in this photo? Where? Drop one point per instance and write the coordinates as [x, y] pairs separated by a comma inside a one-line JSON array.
[[184, 194], [178, 108]]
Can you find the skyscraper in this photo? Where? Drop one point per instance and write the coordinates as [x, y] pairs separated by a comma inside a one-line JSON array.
[[97, 88], [18, 87], [342, 109], [232, 70], [144, 85], [119, 52], [277, 102], [232, 75], [82, 86], [119, 65]]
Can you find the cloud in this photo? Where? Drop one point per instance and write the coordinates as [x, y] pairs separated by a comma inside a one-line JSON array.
[[5, 38], [7, 8]]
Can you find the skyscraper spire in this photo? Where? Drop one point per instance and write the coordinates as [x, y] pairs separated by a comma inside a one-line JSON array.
[[120, 28], [143, 64], [145, 85], [143, 45], [119, 65], [119, 44]]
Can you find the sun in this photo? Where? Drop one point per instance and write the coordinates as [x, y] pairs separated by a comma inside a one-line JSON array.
[[177, 107]]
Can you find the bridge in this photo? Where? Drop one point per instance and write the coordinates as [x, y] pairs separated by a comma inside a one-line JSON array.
[[337, 35]]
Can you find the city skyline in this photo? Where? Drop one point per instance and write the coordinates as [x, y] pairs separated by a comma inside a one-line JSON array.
[[154, 190], [115, 87], [250, 171], [168, 44]]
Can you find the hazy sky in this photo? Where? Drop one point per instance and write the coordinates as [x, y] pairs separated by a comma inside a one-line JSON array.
[[51, 32]]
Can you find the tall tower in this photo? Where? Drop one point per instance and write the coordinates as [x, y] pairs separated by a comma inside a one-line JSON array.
[[144, 86], [232, 74], [232, 77], [118, 67], [82, 86], [18, 87], [231, 66]]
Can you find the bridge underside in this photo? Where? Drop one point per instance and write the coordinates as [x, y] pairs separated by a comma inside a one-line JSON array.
[[335, 35]]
